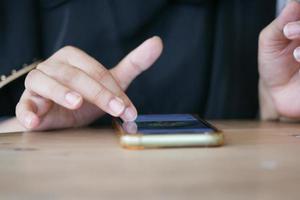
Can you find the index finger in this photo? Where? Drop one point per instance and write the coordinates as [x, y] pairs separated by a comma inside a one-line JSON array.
[[87, 64]]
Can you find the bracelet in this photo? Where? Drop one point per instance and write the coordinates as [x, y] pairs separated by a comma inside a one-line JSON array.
[[15, 74]]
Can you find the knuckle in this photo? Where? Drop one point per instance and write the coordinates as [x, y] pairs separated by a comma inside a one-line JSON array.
[[68, 49], [54, 87], [66, 53], [264, 34], [103, 73], [41, 66], [261, 38], [125, 99], [69, 75], [99, 96], [30, 77], [17, 110]]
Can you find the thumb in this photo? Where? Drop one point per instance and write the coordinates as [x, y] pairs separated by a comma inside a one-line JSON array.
[[289, 14], [137, 61]]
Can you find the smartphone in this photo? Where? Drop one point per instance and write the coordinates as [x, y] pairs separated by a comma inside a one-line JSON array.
[[168, 130]]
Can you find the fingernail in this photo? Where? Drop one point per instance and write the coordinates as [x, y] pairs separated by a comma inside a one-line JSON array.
[[291, 30], [117, 106], [129, 114], [297, 54], [73, 98], [130, 127]]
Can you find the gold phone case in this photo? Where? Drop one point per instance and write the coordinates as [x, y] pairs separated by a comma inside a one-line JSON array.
[[142, 141]]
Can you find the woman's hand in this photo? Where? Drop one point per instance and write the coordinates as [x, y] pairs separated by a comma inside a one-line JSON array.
[[279, 64], [73, 89]]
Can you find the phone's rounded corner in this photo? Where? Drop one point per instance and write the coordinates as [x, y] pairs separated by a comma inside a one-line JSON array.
[[214, 139], [219, 139]]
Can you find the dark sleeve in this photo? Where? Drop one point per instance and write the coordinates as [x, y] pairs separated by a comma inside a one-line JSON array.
[[193, 1], [19, 44]]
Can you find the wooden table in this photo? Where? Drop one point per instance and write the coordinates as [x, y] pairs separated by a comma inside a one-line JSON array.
[[261, 160]]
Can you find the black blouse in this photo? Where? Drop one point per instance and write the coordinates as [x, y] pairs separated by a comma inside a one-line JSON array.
[[209, 62]]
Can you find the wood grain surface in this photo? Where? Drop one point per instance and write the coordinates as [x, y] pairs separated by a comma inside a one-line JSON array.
[[259, 161]]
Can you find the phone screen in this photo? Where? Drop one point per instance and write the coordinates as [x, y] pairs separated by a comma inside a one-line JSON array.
[[170, 123]]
